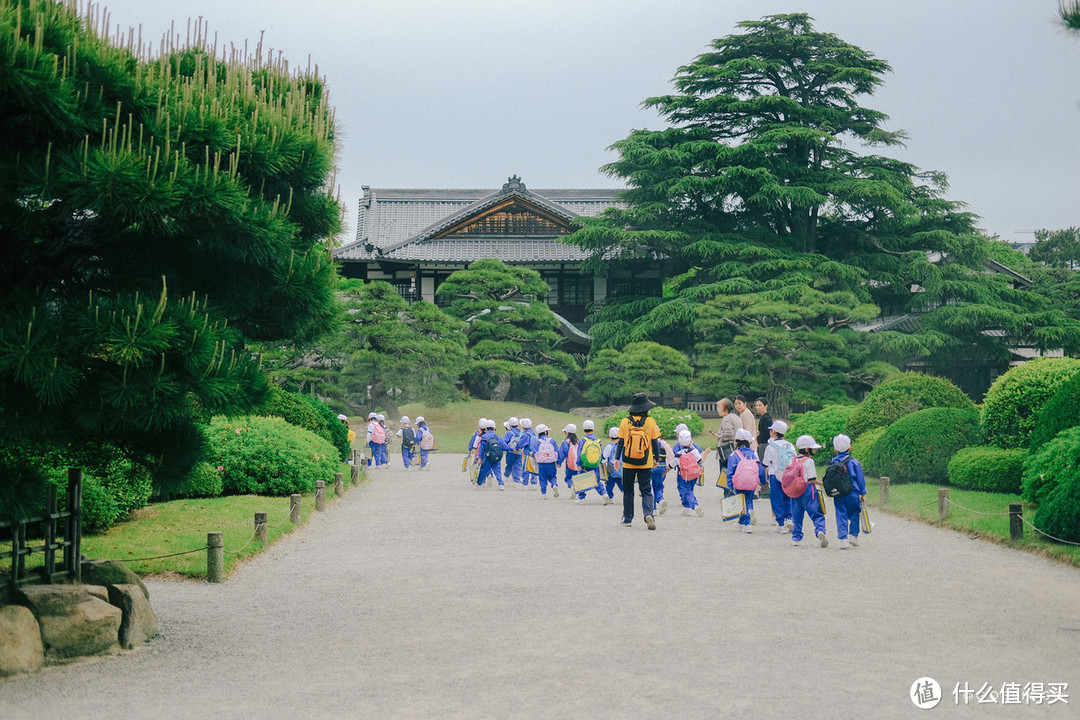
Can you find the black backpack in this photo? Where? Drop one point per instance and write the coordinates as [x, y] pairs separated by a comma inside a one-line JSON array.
[[408, 437], [493, 451], [837, 480]]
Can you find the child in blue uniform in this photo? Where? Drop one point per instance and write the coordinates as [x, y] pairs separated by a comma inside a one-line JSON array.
[[384, 455], [491, 452], [779, 453], [547, 461], [569, 443], [743, 451], [529, 481], [659, 472], [513, 453], [848, 506], [809, 502], [371, 423], [613, 465], [424, 441], [589, 439], [408, 441], [686, 445]]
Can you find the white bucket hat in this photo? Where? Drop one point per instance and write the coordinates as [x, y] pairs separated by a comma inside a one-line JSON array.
[[613, 432], [685, 438], [513, 422], [570, 428], [806, 442], [779, 427], [526, 423], [588, 425], [541, 429], [419, 419], [404, 419], [841, 443], [743, 434]]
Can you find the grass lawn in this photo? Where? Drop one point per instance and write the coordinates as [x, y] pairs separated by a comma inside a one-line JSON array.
[[919, 501], [182, 525]]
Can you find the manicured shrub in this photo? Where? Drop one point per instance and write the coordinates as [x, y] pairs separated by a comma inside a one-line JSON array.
[[989, 469], [1059, 515], [1061, 412], [918, 447], [903, 394], [268, 456], [99, 508], [823, 424], [1016, 398], [203, 480], [666, 419], [1054, 462], [862, 447], [309, 413], [332, 429]]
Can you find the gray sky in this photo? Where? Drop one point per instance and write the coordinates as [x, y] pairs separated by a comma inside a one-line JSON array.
[[464, 93]]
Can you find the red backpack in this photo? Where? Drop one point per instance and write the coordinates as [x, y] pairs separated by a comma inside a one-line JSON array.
[[688, 466], [793, 481], [746, 475]]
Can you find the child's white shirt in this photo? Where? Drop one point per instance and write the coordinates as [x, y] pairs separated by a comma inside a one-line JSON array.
[[809, 469]]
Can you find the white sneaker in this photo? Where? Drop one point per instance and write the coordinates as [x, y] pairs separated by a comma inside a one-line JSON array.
[[783, 529], [543, 496], [579, 501], [753, 518], [747, 529], [843, 544], [663, 507], [700, 511], [796, 543], [555, 491], [607, 500], [853, 540], [823, 540], [687, 511], [789, 525], [502, 487]]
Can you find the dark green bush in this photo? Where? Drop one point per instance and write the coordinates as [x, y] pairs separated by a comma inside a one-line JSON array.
[[203, 480], [309, 413], [268, 456], [862, 447], [99, 509], [1061, 412], [666, 419], [1055, 462], [823, 424], [1016, 398], [903, 394], [989, 469], [918, 447], [1059, 515], [333, 429]]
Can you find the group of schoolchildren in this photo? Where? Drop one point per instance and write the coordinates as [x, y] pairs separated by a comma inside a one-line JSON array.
[[531, 457], [416, 442]]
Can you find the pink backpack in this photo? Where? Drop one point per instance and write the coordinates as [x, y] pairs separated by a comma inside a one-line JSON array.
[[793, 481], [746, 474], [688, 466], [572, 459], [378, 434], [545, 451]]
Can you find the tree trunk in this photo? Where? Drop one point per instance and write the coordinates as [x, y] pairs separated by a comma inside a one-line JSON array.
[[380, 399], [499, 392]]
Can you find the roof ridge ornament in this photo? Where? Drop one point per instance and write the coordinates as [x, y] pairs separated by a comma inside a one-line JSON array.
[[513, 183]]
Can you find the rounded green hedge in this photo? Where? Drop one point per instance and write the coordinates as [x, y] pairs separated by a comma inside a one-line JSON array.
[[862, 447], [666, 419], [823, 424], [268, 456], [1061, 412], [203, 480], [1016, 398], [1055, 462], [1059, 515], [989, 469], [903, 394], [309, 413], [918, 447]]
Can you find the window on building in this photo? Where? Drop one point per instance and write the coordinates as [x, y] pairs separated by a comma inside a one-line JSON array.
[[634, 287]]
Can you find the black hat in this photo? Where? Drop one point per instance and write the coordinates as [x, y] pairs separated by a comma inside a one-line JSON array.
[[640, 403]]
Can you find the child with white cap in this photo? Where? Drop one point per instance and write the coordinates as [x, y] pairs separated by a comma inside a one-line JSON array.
[[664, 461], [513, 453], [528, 445], [590, 455], [491, 452], [612, 464], [547, 460], [809, 501], [848, 505], [408, 442], [568, 454], [424, 440], [372, 419], [779, 453], [381, 444], [687, 470], [745, 475]]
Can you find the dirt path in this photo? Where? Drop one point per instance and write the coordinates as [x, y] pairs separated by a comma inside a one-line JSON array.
[[418, 596]]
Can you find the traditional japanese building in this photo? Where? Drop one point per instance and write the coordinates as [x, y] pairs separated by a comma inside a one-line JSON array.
[[414, 239]]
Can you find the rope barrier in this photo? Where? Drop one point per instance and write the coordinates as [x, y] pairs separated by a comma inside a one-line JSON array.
[[909, 502], [250, 540], [977, 512], [161, 557], [1066, 542]]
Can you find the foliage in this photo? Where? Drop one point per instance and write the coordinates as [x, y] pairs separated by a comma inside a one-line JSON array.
[[612, 375], [1069, 12], [268, 456], [1059, 515], [902, 394], [1051, 465], [331, 428], [823, 424], [987, 468], [99, 510], [666, 419], [1060, 412], [154, 214], [1057, 248], [862, 447], [308, 413], [918, 447], [513, 336], [1014, 401], [203, 480]]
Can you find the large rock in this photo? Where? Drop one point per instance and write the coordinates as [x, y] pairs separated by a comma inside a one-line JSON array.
[[139, 622], [73, 622], [108, 572], [21, 649]]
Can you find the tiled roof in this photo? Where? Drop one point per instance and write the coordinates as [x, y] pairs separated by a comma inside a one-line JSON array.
[[403, 224]]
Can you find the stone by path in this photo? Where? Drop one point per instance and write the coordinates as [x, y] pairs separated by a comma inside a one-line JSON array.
[[419, 596]]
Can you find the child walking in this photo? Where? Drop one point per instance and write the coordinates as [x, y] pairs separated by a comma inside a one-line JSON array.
[[513, 454], [807, 502], [424, 440], [529, 480], [547, 461], [568, 455], [664, 461], [408, 442], [745, 475], [613, 465], [590, 453], [491, 452], [779, 453], [688, 464], [848, 506]]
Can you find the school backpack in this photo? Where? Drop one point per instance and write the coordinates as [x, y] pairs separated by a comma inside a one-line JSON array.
[[592, 452], [408, 437], [785, 453], [637, 445], [545, 451], [572, 458], [793, 481], [688, 466], [427, 441], [837, 480], [378, 434], [515, 440], [493, 451], [746, 475]]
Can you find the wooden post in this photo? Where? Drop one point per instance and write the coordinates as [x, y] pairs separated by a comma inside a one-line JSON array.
[[339, 484], [320, 495], [215, 558], [260, 527], [943, 503], [354, 478], [295, 501], [1016, 522], [883, 496], [73, 553], [50, 534]]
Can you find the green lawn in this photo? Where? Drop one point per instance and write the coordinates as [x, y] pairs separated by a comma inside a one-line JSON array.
[[919, 501]]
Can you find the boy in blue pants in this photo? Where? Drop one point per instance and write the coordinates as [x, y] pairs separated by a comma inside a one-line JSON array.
[[613, 465], [848, 506], [547, 457], [424, 440], [779, 453], [408, 442], [739, 483], [528, 445], [659, 472], [809, 502], [513, 452], [589, 440], [687, 446], [491, 452]]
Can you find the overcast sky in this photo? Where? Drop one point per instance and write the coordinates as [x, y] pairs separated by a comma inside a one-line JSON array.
[[464, 93]]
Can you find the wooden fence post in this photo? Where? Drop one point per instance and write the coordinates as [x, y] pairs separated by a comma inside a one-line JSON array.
[[215, 558], [73, 553], [260, 527], [320, 495], [943, 503], [1016, 522], [339, 484], [354, 478], [883, 496], [295, 501]]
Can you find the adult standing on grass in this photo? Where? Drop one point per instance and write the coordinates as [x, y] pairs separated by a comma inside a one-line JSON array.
[[639, 438]]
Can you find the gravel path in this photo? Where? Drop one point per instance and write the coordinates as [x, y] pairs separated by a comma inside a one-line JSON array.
[[419, 596]]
